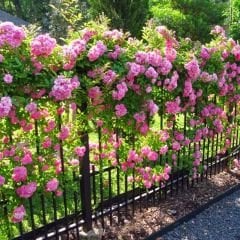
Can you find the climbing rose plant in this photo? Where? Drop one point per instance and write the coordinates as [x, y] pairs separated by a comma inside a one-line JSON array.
[[103, 80]]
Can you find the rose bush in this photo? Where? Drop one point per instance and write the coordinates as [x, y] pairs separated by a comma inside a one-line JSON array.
[[150, 99]]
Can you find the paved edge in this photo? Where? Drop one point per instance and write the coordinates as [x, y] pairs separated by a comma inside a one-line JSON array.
[[192, 214]]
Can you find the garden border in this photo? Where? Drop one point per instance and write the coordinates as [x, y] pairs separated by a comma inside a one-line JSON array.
[[193, 214]]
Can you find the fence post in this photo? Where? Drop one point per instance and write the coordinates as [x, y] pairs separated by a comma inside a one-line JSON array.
[[86, 185], [85, 182]]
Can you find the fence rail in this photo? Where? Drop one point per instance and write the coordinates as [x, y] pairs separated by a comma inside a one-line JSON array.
[[125, 204]]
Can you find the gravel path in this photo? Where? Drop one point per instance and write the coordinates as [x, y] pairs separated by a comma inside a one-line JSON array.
[[221, 221]]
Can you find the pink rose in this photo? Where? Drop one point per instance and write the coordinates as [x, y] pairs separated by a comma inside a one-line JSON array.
[[151, 73], [120, 110], [167, 169], [176, 146], [19, 174], [144, 129], [96, 51], [147, 183], [193, 69], [80, 151], [64, 134], [31, 107], [172, 107], [11, 35], [18, 214], [52, 185], [27, 159], [8, 78], [163, 150], [152, 156], [47, 143], [165, 176], [5, 106], [26, 191], [43, 45]]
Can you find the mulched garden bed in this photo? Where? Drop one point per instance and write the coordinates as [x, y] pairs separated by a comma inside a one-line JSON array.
[[154, 217]]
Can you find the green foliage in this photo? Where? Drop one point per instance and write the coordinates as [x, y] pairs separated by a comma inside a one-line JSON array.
[[156, 128], [129, 15], [53, 16], [70, 12], [232, 18], [149, 35], [30, 10], [188, 18], [65, 15]]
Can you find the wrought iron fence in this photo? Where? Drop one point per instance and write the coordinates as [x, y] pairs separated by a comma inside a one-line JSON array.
[[102, 194]]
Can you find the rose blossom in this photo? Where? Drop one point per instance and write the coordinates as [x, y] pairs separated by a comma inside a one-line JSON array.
[[63, 87], [19, 174], [26, 191], [5, 106], [8, 78], [172, 107], [18, 214], [11, 35], [96, 51], [52, 185], [31, 107], [64, 134], [120, 110], [27, 159], [80, 151], [43, 45]]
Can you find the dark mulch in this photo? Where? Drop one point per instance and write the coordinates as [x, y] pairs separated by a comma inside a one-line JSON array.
[[154, 217]]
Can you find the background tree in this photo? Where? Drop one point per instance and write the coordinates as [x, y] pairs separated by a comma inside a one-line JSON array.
[[129, 15], [32, 11], [233, 18], [65, 13], [189, 18], [54, 19]]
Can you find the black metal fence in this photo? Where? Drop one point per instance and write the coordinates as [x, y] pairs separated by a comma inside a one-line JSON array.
[[114, 209], [102, 194]]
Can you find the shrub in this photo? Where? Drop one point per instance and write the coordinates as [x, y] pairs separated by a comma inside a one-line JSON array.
[[52, 94]]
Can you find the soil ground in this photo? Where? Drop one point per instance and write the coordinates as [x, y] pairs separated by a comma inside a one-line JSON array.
[[154, 217]]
